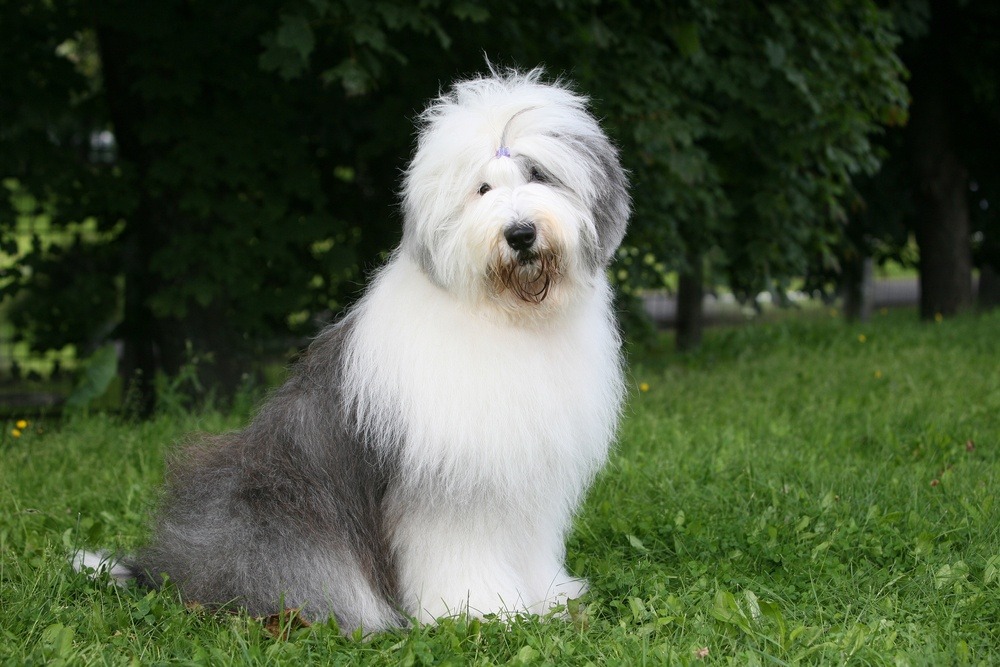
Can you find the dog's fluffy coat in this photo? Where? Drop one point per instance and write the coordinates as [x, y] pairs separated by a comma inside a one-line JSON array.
[[428, 451]]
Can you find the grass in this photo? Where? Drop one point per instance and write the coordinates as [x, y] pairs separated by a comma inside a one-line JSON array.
[[799, 491]]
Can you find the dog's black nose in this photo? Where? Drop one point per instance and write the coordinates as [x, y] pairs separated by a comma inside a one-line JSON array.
[[520, 236]]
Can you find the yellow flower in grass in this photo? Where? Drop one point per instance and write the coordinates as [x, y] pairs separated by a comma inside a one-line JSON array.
[[15, 432], [862, 338], [21, 424], [878, 375], [643, 386], [938, 317]]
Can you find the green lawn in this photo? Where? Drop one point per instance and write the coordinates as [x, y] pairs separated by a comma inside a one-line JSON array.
[[799, 491]]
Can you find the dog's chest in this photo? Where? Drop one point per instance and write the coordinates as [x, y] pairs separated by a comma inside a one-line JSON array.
[[482, 390], [490, 399]]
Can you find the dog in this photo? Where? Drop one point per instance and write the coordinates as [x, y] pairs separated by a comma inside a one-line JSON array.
[[428, 451]]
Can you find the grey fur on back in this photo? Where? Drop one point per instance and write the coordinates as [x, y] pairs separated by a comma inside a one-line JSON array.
[[286, 511]]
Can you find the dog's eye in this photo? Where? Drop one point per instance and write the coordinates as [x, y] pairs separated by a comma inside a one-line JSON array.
[[484, 188], [536, 176]]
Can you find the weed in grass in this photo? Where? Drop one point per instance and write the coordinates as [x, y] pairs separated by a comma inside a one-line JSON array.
[[803, 491]]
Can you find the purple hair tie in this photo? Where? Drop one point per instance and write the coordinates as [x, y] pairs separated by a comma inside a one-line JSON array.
[[503, 151]]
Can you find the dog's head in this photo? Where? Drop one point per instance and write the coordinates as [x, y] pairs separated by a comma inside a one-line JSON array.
[[515, 197]]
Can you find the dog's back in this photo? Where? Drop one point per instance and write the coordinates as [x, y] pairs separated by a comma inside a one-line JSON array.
[[287, 511]]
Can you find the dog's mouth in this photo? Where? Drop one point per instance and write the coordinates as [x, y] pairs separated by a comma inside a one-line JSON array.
[[529, 275], [526, 257]]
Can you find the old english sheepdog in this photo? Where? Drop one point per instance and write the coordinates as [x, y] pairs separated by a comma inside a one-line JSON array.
[[427, 453]]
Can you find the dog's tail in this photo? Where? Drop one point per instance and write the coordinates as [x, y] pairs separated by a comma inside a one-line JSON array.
[[97, 563]]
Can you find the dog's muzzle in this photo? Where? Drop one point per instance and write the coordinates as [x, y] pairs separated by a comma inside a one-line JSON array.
[[529, 271]]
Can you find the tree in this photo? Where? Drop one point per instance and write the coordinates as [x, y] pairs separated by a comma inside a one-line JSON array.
[[243, 194], [744, 125], [956, 128], [742, 155], [940, 176], [256, 147]]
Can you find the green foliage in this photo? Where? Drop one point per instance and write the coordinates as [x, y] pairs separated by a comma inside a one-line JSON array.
[[885, 214], [371, 30], [743, 135], [246, 189], [253, 176], [804, 491]]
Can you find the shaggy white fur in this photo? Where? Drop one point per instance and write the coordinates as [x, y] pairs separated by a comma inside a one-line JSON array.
[[505, 408], [503, 424], [427, 454]]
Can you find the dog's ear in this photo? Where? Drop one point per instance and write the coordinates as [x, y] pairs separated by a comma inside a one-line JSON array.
[[612, 205], [607, 193]]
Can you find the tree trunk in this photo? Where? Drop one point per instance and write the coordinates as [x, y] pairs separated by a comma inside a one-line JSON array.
[[690, 298], [988, 295], [859, 289], [138, 328], [942, 235], [153, 343], [942, 220]]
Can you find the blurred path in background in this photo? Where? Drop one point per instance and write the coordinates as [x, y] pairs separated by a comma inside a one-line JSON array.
[[662, 307]]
